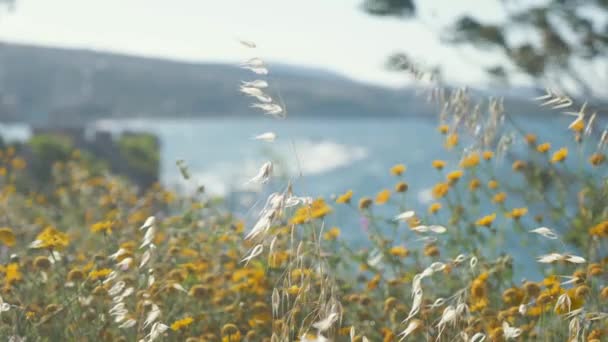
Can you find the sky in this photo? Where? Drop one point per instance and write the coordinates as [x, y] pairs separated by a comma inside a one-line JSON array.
[[330, 34]]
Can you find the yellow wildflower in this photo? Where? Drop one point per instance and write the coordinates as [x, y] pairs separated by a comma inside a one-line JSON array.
[[578, 125], [7, 237], [51, 238], [398, 169], [542, 148], [332, 234], [440, 190], [345, 198], [487, 155], [103, 226], [600, 229], [559, 155], [99, 274], [443, 129], [438, 164], [493, 184], [479, 292], [12, 274], [399, 251], [383, 196], [182, 323], [431, 250], [454, 176], [373, 283], [530, 139], [499, 197], [517, 213], [518, 165], [470, 161], [365, 203], [451, 141], [597, 159], [434, 208], [474, 184], [401, 187], [317, 209], [486, 220]]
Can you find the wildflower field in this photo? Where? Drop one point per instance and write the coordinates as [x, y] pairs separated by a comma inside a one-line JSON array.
[[89, 257]]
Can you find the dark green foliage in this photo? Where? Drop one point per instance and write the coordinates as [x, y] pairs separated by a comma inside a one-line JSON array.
[[540, 39], [141, 153], [46, 150], [390, 7]]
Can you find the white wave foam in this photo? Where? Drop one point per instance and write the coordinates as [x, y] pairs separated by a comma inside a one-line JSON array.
[[321, 157]]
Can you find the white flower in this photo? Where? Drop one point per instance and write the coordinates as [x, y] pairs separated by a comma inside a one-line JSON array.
[[255, 84], [125, 263], [549, 258], [110, 277], [575, 259], [147, 256], [253, 62], [473, 262], [522, 309], [178, 287], [326, 323], [375, 258], [118, 308], [448, 316], [118, 253], [257, 250], [267, 137], [257, 70], [546, 232], [405, 215], [553, 257], [116, 288], [247, 43], [156, 331], [263, 98], [410, 329], [263, 175], [421, 229], [269, 108], [510, 332], [313, 338], [251, 91], [460, 258], [4, 307], [148, 237], [128, 324], [415, 304], [479, 337], [148, 223], [563, 302], [152, 315], [276, 301], [437, 229], [437, 303]]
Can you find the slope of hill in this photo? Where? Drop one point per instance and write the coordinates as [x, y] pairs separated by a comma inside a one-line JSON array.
[[51, 85]]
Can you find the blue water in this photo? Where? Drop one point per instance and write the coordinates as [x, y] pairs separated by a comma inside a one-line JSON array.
[[326, 157]]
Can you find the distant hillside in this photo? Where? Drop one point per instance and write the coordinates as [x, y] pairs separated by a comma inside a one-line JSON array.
[[69, 87], [39, 84]]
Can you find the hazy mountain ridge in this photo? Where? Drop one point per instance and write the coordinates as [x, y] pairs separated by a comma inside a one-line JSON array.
[[65, 86], [40, 84]]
